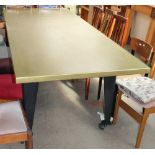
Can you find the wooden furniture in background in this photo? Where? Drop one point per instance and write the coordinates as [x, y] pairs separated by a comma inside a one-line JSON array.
[[118, 34], [124, 10], [87, 12], [149, 11], [97, 17], [143, 49], [113, 26], [105, 23], [119, 30], [146, 10], [128, 11], [84, 12]]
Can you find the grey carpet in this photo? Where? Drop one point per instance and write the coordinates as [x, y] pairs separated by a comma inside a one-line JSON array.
[[63, 119]]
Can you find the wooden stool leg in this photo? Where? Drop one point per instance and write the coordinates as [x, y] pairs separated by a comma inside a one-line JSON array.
[[117, 107], [141, 130], [29, 142], [99, 88], [87, 84]]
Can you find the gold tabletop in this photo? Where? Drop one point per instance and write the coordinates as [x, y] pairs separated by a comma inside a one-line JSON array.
[[55, 44]]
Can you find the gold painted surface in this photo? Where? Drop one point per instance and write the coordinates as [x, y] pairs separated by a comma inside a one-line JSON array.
[[54, 44]]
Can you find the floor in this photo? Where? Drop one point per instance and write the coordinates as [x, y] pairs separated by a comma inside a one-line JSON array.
[[63, 119]]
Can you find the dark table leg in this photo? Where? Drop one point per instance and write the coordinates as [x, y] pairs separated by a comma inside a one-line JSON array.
[[29, 100], [110, 91]]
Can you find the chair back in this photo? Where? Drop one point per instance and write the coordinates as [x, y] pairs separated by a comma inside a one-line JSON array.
[[144, 52], [142, 48], [120, 30], [97, 16], [107, 22]]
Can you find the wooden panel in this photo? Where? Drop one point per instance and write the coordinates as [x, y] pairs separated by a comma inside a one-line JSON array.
[[129, 14], [153, 13], [90, 14], [145, 9], [150, 38]]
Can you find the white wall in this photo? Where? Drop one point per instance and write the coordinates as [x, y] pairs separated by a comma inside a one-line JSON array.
[[140, 26]]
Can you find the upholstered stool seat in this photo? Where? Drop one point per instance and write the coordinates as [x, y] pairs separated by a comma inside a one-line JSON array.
[[11, 118], [9, 89]]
